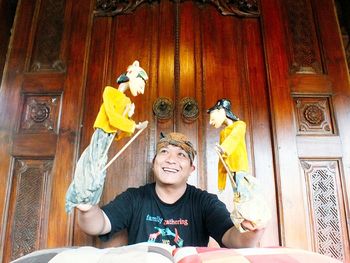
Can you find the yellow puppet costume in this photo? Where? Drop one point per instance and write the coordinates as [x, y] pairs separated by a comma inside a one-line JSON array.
[[232, 141], [113, 114]]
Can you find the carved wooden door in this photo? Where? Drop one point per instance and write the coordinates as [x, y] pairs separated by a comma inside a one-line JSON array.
[[279, 62], [194, 56]]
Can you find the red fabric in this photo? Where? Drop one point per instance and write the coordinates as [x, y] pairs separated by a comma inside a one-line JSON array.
[[273, 258], [252, 255]]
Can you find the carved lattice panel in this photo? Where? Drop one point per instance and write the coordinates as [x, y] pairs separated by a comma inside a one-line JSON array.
[[313, 116], [304, 50], [48, 37], [40, 114], [29, 204], [325, 201]]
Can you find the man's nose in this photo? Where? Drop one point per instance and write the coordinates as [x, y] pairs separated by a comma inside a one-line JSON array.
[[171, 157]]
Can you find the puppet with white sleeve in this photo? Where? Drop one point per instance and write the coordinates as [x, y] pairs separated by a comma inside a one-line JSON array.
[[250, 209], [113, 122]]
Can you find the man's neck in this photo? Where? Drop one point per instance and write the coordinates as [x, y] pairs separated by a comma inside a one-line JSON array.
[[169, 194]]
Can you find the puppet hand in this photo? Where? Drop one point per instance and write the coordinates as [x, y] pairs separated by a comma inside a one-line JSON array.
[[131, 110], [219, 149], [141, 125]]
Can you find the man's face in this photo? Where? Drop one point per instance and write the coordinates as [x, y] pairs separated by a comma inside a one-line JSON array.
[[172, 166], [217, 117]]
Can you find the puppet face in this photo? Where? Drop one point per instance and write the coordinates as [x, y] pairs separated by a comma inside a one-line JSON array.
[[137, 78], [217, 117], [172, 166], [137, 86]]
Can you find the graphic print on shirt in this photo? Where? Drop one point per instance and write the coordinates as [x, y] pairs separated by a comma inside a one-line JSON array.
[[163, 233]]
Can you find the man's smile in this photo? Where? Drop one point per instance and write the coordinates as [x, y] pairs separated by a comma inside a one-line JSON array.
[[170, 170]]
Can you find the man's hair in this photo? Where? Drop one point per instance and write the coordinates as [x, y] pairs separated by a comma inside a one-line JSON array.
[[179, 140]]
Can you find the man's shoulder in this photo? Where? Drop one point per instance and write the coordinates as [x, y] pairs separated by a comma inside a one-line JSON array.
[[141, 190], [199, 192]]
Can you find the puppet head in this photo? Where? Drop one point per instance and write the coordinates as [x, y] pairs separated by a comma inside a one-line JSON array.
[[134, 78], [220, 111]]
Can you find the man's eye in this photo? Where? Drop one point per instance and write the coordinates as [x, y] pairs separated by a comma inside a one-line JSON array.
[[163, 151], [182, 155]]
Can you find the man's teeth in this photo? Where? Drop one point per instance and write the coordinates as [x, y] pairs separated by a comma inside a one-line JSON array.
[[170, 170]]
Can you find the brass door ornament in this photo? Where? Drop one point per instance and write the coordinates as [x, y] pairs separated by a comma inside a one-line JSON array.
[[163, 108], [189, 109]]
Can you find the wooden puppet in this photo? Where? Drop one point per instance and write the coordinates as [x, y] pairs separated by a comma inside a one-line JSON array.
[[250, 210], [113, 122], [232, 145]]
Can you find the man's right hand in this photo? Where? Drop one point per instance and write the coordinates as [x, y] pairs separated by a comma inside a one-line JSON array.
[[92, 220], [84, 207]]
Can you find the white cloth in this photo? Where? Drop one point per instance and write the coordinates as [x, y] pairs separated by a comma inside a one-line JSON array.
[[142, 252], [88, 181], [249, 203]]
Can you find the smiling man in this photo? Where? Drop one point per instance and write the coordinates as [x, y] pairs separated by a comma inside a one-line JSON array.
[[168, 211]]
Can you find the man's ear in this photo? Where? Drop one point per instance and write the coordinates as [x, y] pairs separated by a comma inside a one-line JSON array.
[[193, 168]]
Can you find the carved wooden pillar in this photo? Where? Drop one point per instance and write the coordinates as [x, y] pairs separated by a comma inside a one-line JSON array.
[[318, 136], [38, 129]]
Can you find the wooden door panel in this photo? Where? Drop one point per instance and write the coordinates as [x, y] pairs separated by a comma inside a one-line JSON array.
[[221, 47], [289, 189], [164, 69], [259, 125], [188, 81], [39, 126], [30, 198]]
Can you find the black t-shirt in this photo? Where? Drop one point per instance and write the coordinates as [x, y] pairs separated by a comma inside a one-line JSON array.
[[188, 222]]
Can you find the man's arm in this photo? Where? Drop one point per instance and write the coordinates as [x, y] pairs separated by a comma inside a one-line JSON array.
[[235, 239], [92, 220]]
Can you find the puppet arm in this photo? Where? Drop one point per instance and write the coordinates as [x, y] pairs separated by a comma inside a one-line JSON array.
[[117, 106], [234, 139]]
